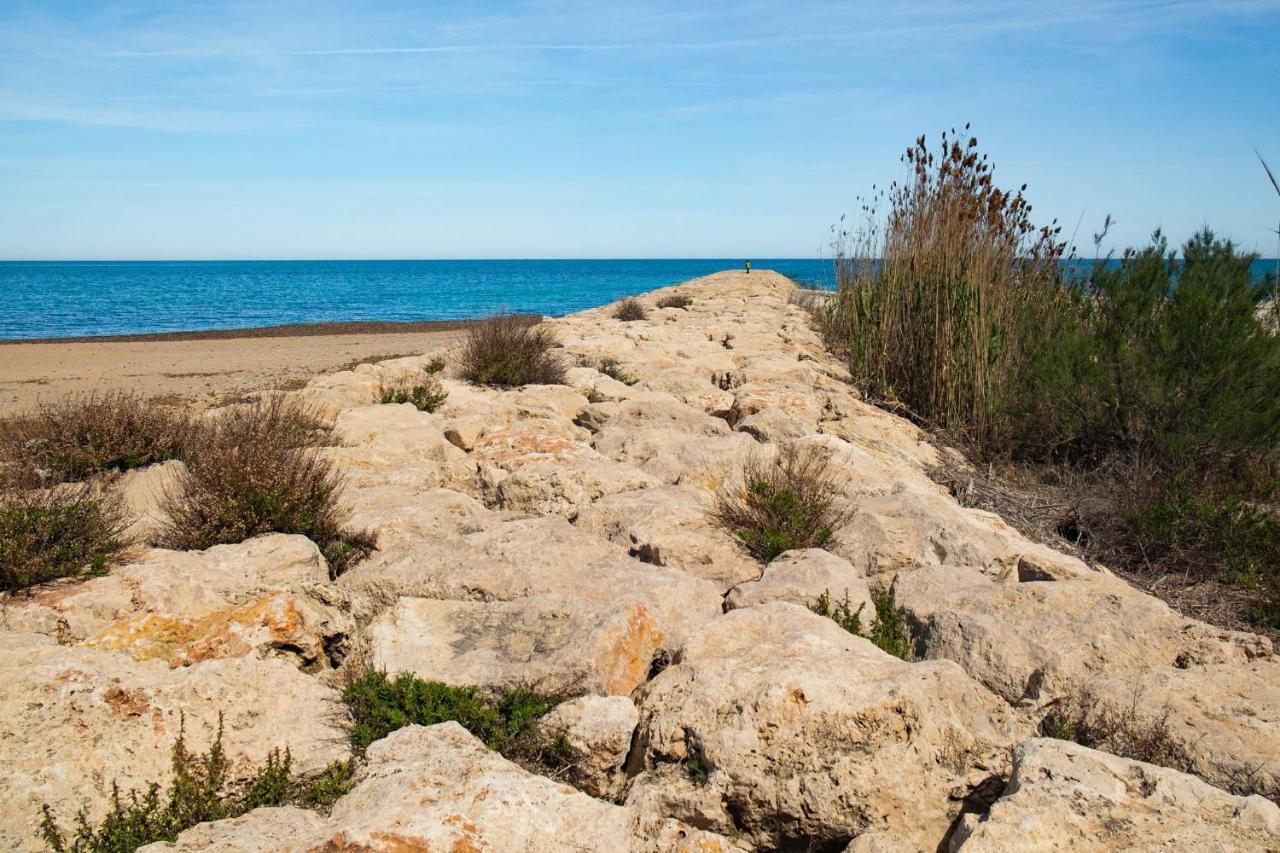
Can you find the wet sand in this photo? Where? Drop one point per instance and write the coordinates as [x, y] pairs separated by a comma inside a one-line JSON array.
[[204, 368]]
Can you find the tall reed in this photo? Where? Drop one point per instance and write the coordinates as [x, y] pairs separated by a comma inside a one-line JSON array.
[[940, 300]]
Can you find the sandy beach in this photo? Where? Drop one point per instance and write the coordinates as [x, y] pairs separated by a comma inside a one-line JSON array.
[[203, 368]]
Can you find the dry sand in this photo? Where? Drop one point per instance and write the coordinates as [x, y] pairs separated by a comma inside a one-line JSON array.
[[204, 368]]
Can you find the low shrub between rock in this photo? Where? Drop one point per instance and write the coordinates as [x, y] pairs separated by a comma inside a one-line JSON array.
[[889, 631], [64, 531], [251, 472], [379, 705], [675, 300], [630, 310], [199, 791], [508, 351], [781, 504], [426, 396], [74, 438]]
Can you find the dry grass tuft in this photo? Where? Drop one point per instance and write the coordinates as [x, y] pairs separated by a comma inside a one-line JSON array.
[[506, 351], [77, 437], [66, 531], [675, 300], [782, 503], [256, 470], [630, 309], [1125, 730]]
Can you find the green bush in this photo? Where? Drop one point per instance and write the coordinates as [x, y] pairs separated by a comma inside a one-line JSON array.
[[842, 613], [782, 503], [379, 705], [426, 396], [65, 531]]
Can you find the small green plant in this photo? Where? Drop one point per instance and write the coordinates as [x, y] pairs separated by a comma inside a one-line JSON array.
[[379, 705], [77, 437], [324, 790], [249, 474], [509, 351], [426, 396], [65, 531], [842, 613], [782, 503], [611, 368], [675, 300], [890, 632], [199, 791], [630, 310], [435, 365], [697, 769]]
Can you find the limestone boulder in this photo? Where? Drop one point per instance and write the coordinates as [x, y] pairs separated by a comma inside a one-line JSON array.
[[594, 734], [270, 596], [777, 727], [800, 577], [1062, 796], [1032, 642], [670, 526], [382, 446], [564, 488], [73, 720], [439, 788]]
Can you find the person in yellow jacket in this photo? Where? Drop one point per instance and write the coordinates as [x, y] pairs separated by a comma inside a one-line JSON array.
[[748, 267]]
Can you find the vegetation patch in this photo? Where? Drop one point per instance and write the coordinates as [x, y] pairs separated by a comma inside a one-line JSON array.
[[75, 438], [782, 503], [506, 722], [199, 791], [508, 351], [611, 368], [1152, 377], [252, 472], [65, 531], [889, 632], [630, 310], [842, 613], [675, 300], [1089, 720], [426, 396]]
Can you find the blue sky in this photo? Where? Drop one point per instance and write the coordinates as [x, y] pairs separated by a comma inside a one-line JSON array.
[[602, 129]]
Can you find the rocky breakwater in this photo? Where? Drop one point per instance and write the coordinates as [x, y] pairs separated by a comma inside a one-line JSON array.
[[560, 538]]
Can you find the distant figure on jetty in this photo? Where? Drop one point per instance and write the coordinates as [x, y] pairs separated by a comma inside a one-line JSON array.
[[748, 267]]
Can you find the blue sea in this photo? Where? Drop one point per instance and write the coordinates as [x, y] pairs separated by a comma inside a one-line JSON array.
[[46, 299]]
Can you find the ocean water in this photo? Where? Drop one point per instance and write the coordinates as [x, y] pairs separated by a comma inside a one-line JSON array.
[[46, 299], [61, 299]]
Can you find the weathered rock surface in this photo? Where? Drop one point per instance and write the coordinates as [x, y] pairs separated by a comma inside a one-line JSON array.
[[1034, 641], [439, 788], [595, 735], [270, 596], [670, 526], [808, 734], [1063, 796], [74, 720], [800, 577]]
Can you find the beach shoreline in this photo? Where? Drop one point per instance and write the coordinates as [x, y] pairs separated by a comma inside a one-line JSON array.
[[202, 369]]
